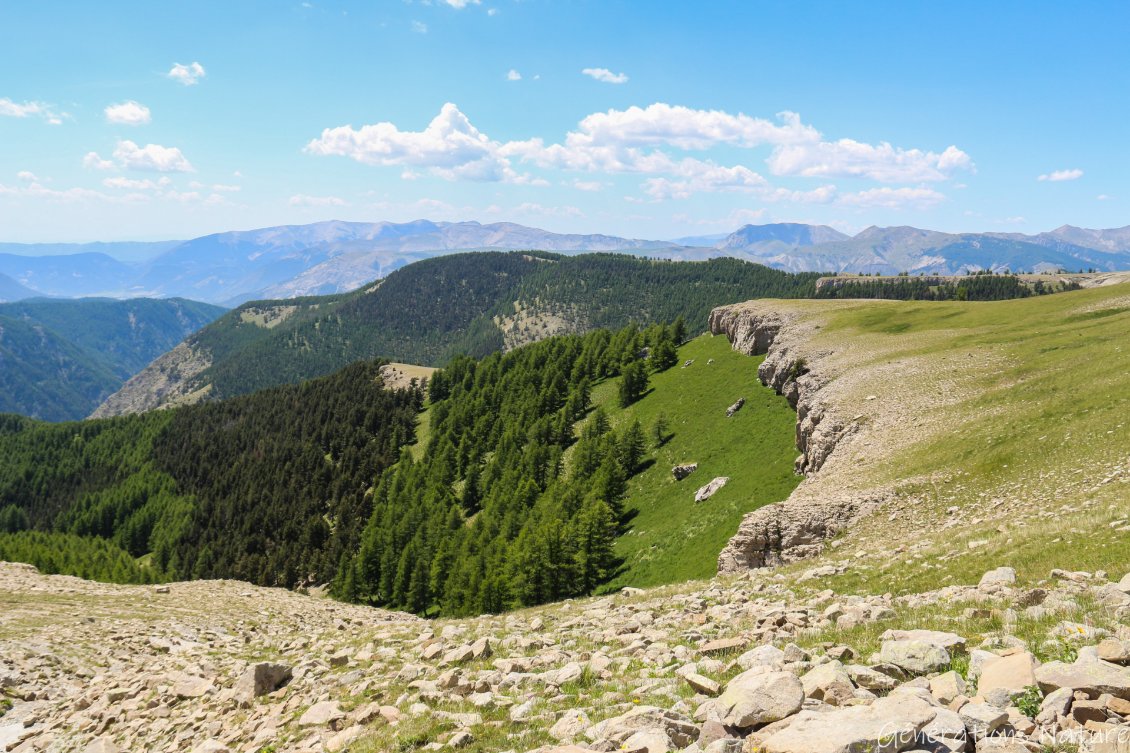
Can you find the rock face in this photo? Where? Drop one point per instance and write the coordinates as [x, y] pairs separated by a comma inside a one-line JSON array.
[[796, 528], [168, 381], [680, 472], [709, 490]]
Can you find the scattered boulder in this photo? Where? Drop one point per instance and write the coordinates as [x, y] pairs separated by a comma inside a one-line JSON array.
[[735, 407], [829, 683], [722, 646], [322, 714], [680, 472], [981, 720], [757, 697], [262, 678], [706, 492], [914, 656], [1093, 677], [1011, 673], [1002, 576], [702, 684], [1115, 651], [888, 725]]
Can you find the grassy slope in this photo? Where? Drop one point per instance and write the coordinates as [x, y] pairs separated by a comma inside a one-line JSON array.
[[1031, 447], [672, 538]]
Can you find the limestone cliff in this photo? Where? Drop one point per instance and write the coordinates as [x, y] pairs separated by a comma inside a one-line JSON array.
[[796, 528]]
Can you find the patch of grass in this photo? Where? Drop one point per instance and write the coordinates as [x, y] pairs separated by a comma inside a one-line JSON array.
[[670, 538], [1029, 701]]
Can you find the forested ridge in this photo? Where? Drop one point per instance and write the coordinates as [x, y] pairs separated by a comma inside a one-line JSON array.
[[434, 310], [979, 287]]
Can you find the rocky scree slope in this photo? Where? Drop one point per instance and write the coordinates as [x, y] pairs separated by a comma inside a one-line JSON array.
[[757, 662]]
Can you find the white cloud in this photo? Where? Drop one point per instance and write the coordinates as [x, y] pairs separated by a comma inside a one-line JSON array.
[[226, 188], [848, 158], [151, 157], [449, 146], [419, 27], [646, 141], [605, 75], [94, 161], [302, 200], [27, 176], [461, 4], [703, 178], [513, 75], [1102, 197], [893, 198], [492, 11], [1060, 175], [128, 113], [186, 74], [539, 210], [11, 109], [136, 185]]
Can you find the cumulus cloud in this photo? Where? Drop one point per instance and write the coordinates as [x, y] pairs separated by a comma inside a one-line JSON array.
[[1060, 175], [128, 113], [461, 4], [302, 200], [27, 176], [11, 109], [513, 75], [893, 198], [648, 141], [151, 157], [449, 146], [94, 161], [187, 74], [588, 185], [882, 162], [605, 75]]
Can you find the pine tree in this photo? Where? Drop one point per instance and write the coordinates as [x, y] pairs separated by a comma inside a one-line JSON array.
[[631, 447], [633, 383], [659, 431], [663, 356]]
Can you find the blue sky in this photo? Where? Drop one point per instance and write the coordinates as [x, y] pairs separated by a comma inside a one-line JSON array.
[[124, 121]]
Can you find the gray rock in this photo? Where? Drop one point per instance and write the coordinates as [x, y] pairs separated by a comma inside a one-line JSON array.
[[735, 407], [1114, 651], [981, 720], [709, 490], [680, 472], [262, 678], [1002, 576], [1092, 677], [322, 714], [915, 656], [888, 725], [757, 696]]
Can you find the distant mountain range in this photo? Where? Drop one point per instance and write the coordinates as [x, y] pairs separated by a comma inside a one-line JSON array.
[[60, 359], [333, 257]]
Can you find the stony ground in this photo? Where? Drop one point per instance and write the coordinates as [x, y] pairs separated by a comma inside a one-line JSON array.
[[755, 662]]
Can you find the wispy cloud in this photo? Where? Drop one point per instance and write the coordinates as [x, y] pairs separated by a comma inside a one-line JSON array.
[[513, 75], [419, 27], [1059, 175], [187, 74], [302, 200], [11, 109], [605, 75]]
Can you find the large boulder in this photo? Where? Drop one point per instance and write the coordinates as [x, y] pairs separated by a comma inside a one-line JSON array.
[[647, 727], [914, 656], [1009, 673], [757, 697], [680, 472], [828, 682], [1002, 576], [262, 678], [888, 725], [1094, 677]]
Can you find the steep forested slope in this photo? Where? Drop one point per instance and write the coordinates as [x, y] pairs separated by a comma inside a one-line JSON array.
[[61, 358], [271, 487]]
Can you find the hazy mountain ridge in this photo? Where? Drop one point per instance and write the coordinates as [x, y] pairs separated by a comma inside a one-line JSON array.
[[335, 257]]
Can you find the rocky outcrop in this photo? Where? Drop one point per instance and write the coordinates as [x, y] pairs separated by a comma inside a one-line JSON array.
[[796, 528], [167, 382]]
